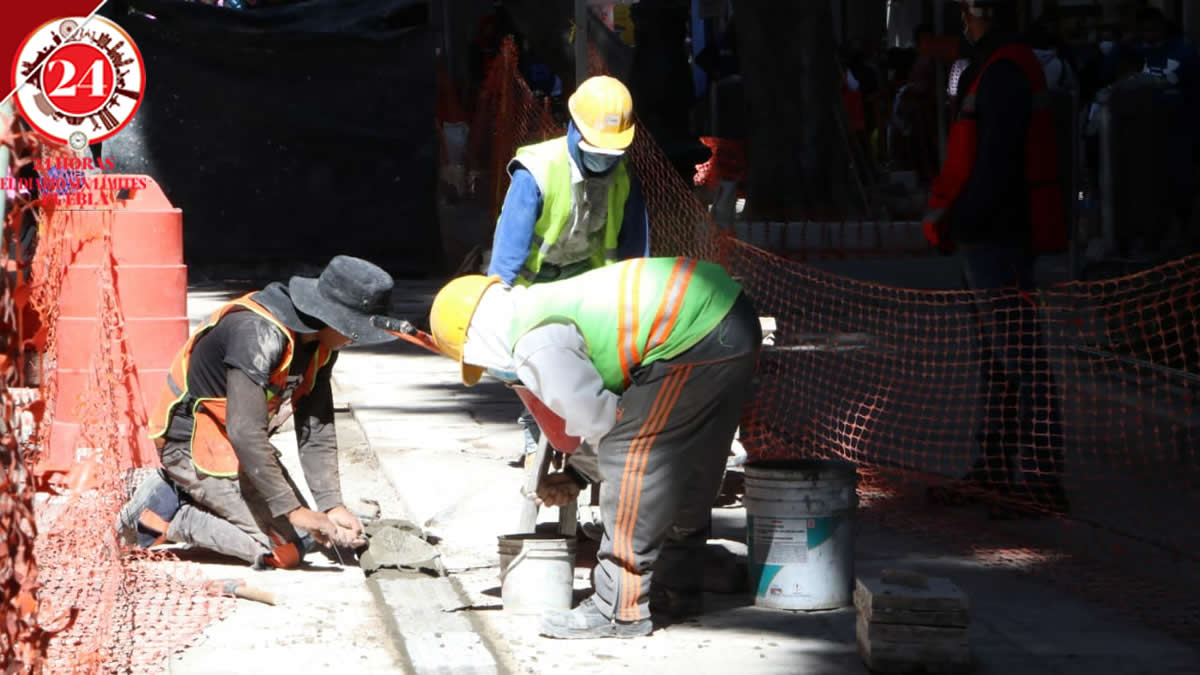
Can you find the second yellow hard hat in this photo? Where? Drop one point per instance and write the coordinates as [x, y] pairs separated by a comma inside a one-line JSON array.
[[602, 108]]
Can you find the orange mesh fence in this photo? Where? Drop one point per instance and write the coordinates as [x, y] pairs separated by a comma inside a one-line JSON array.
[[22, 639], [507, 116], [92, 606], [728, 162], [1087, 386]]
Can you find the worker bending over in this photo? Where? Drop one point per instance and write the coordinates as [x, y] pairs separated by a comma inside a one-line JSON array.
[[649, 361], [222, 486]]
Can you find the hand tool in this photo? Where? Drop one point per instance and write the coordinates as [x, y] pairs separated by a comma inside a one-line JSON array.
[[405, 331], [553, 434], [238, 589]]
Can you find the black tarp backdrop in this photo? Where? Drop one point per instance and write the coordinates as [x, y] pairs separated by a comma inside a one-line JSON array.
[[290, 134]]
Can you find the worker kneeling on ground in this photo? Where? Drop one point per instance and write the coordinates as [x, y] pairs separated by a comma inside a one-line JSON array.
[[649, 361], [222, 486]]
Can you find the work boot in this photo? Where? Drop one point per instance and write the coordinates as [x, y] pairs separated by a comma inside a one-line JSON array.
[[127, 519], [675, 604], [587, 621], [989, 474], [1032, 502]]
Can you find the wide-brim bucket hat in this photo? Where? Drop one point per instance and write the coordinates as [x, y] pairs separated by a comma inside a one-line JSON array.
[[347, 294]]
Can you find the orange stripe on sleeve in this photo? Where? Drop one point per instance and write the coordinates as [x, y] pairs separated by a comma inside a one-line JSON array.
[[684, 281], [622, 332], [651, 341], [637, 310]]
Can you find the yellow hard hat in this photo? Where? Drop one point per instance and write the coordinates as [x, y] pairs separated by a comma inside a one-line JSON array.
[[603, 110], [451, 314]]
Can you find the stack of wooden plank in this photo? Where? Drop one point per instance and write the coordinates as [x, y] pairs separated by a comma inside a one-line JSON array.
[[908, 623]]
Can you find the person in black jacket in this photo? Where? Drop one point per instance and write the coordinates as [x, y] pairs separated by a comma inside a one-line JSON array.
[[222, 486], [990, 226]]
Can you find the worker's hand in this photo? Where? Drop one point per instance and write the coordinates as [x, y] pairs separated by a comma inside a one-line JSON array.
[[937, 236], [319, 525], [556, 489], [349, 526]]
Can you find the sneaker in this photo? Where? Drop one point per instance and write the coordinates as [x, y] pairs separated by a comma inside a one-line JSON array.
[[587, 622], [127, 519]]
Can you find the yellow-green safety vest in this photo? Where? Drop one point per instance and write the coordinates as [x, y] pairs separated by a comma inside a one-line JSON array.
[[550, 166]]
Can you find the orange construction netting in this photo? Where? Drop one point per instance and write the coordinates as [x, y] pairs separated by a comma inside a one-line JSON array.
[[1089, 386], [74, 601]]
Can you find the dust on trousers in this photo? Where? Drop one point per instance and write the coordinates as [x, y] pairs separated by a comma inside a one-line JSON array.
[[225, 515], [662, 464]]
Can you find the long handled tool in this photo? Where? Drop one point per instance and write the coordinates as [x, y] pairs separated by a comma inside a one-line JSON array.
[[238, 589], [554, 434], [405, 331], [553, 431]]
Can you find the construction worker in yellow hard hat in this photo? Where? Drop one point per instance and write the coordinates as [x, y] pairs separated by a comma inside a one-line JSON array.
[[648, 361], [573, 203]]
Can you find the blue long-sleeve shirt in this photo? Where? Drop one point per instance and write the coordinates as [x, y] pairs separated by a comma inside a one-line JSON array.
[[523, 206]]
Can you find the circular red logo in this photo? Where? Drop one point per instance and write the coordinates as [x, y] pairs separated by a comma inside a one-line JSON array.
[[79, 81]]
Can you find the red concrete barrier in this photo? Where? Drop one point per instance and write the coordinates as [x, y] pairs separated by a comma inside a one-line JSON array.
[[150, 280]]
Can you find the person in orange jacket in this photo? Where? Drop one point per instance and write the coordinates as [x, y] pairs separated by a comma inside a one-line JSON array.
[[222, 486]]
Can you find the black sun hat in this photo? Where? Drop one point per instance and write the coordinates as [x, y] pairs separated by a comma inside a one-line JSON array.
[[348, 292]]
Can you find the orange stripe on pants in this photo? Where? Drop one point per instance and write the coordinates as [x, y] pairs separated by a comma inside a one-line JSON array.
[[625, 606]]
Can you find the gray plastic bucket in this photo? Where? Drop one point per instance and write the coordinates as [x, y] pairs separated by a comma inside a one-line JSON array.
[[537, 572], [800, 533]]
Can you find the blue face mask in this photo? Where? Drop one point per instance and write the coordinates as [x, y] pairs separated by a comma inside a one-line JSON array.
[[504, 375], [598, 163]]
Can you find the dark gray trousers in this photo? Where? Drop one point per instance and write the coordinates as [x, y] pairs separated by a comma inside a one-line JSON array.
[[225, 515], [663, 461], [1021, 426]]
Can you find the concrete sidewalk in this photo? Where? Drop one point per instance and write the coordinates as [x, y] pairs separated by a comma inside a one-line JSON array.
[[447, 450], [439, 454], [332, 619]]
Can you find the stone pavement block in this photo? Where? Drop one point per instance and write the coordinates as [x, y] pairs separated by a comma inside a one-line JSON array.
[[910, 622], [878, 612], [948, 618], [941, 595], [889, 658], [936, 637], [893, 648]]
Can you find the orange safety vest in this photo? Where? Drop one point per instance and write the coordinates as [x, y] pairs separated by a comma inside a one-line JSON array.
[[1047, 212], [212, 452]]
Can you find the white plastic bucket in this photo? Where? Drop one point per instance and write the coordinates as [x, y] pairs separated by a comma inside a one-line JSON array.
[[537, 572], [800, 533]]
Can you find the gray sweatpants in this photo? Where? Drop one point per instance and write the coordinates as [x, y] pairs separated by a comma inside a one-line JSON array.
[[662, 464], [225, 515]]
